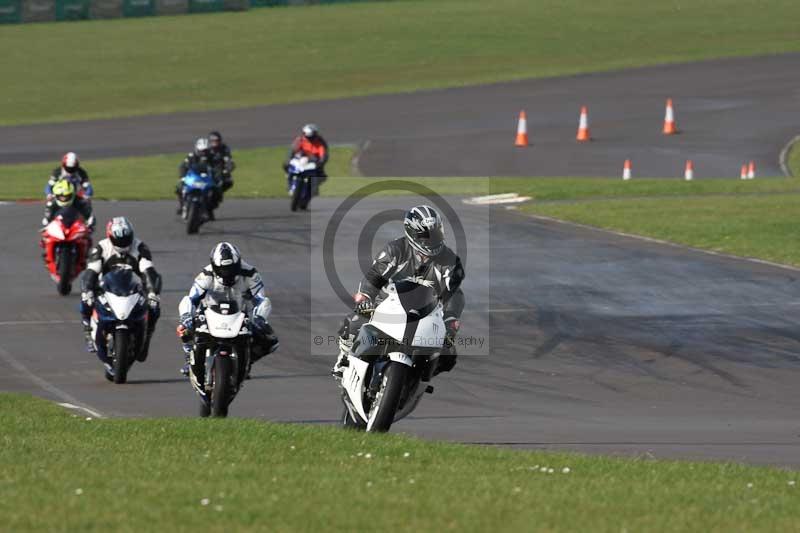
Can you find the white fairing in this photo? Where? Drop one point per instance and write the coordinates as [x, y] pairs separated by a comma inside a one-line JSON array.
[[122, 305], [224, 326], [54, 230], [353, 383], [390, 317], [298, 165]]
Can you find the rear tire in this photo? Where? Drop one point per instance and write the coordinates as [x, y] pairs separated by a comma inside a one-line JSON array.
[[122, 339], [381, 414], [223, 391], [64, 271], [192, 218]]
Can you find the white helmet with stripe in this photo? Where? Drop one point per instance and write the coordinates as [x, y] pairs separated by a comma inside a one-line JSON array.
[[226, 262]]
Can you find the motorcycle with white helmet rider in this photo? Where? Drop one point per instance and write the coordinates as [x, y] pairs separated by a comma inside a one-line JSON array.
[[70, 168], [226, 272], [119, 250]]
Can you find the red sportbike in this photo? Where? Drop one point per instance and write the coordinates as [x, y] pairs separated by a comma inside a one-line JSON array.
[[66, 241]]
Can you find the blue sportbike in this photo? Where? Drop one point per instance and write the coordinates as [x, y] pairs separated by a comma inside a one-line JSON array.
[[198, 192]]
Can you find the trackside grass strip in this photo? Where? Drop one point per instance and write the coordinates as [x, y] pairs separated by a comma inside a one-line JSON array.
[[62, 472], [110, 68], [764, 227]]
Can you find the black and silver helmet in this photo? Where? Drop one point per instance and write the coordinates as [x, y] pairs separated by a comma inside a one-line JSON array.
[[119, 231], [424, 230], [226, 262]]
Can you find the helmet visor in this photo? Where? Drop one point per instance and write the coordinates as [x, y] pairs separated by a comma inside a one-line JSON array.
[[429, 241], [227, 273], [64, 199]]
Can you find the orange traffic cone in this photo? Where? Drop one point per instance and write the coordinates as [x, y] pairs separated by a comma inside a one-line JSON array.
[[743, 174], [522, 130], [688, 174], [626, 170], [751, 170], [583, 126], [669, 119]]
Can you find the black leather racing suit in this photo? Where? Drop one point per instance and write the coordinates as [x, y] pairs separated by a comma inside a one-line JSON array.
[[222, 162], [104, 258], [398, 261]]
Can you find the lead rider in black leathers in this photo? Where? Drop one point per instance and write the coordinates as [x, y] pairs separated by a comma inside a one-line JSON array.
[[420, 256]]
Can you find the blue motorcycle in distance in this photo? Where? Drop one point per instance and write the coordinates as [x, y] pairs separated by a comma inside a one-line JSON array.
[[197, 190]]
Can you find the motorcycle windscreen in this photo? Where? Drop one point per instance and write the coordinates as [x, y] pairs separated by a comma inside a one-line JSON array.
[[224, 312], [408, 303], [122, 291]]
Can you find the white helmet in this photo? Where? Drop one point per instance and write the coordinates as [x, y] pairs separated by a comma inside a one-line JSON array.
[[70, 162], [201, 145], [310, 130], [226, 262]]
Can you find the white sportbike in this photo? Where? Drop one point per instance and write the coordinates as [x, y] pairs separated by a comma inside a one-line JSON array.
[[393, 358], [221, 356]]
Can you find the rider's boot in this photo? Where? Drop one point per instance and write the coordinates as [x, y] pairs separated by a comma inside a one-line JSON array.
[[187, 351], [342, 362], [87, 335]]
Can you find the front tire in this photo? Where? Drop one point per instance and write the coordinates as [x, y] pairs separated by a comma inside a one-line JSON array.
[[222, 393], [64, 271], [205, 409], [193, 216], [298, 191], [122, 340], [384, 407]]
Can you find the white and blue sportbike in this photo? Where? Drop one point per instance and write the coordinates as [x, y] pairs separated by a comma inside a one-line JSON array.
[[119, 323]]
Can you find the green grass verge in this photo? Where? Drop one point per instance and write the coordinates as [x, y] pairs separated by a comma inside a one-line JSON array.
[[109, 68], [61, 472], [259, 174], [764, 227], [154, 178]]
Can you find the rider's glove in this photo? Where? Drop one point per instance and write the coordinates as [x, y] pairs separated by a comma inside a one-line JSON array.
[[153, 300], [364, 305], [45, 222], [185, 326], [87, 298], [451, 327], [91, 222]]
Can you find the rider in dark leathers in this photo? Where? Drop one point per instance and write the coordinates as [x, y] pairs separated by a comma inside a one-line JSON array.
[[202, 160], [63, 195], [120, 249], [221, 159], [420, 256]]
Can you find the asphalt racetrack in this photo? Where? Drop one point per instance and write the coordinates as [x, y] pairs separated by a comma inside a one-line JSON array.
[[730, 111], [581, 339], [573, 338]]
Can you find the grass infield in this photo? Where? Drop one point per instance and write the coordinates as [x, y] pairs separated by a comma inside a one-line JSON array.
[[62, 472], [110, 68]]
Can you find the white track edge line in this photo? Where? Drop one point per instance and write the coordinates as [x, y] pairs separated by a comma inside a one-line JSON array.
[[785, 154], [46, 385]]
